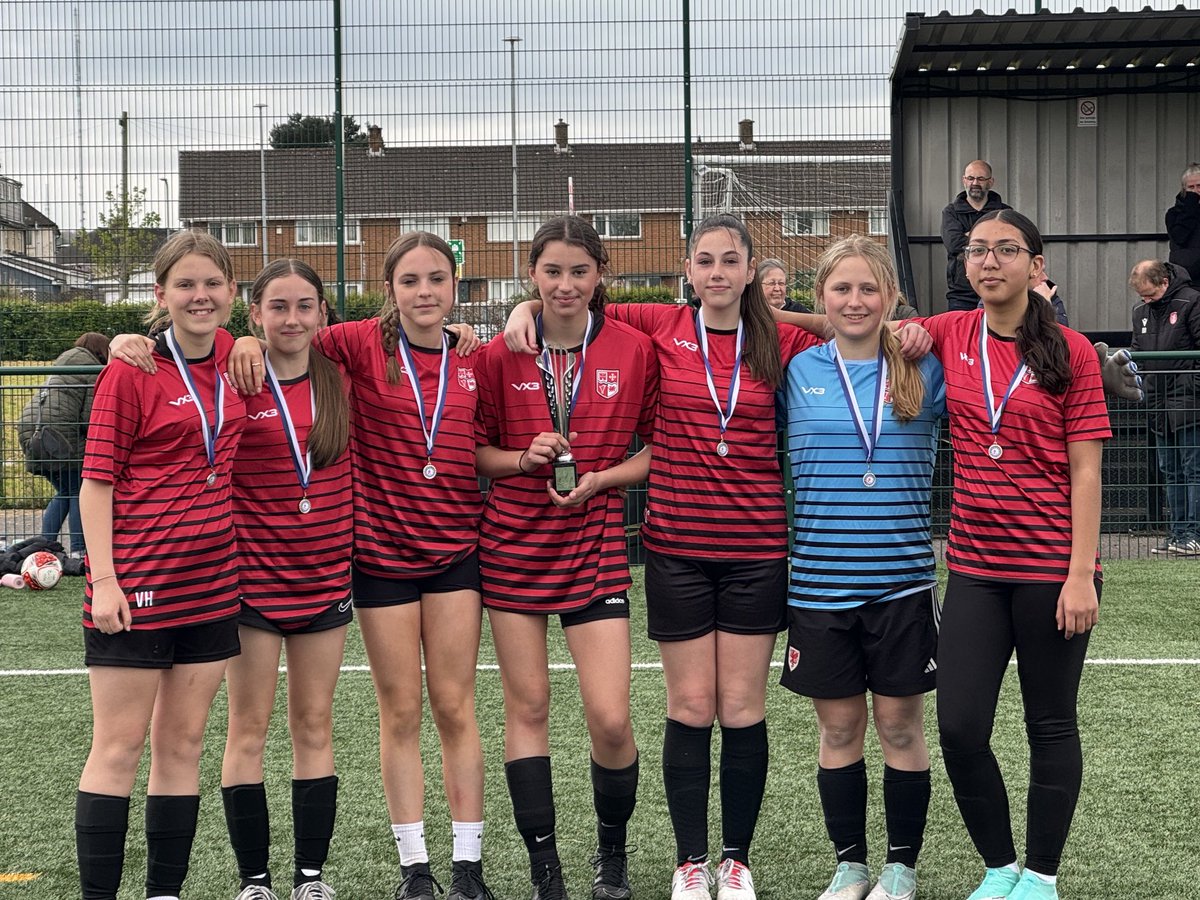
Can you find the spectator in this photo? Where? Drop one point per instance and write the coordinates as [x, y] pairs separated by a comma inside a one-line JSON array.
[[1183, 223], [773, 276], [1169, 319], [64, 403], [958, 218]]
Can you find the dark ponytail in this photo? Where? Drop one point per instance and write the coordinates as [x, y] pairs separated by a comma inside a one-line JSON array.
[[1040, 340]]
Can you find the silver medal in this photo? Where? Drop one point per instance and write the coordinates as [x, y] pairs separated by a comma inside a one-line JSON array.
[[868, 479], [305, 505], [211, 479], [430, 471], [722, 449], [995, 451]]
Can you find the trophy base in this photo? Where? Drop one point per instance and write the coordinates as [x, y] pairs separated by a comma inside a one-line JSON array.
[[566, 477]]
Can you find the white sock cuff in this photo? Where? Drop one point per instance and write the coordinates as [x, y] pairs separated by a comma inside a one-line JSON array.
[[410, 842], [468, 841]]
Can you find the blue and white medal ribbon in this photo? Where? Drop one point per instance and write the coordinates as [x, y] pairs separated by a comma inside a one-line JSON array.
[[735, 382], [869, 440], [995, 451], [210, 434], [578, 379], [430, 431], [301, 461]]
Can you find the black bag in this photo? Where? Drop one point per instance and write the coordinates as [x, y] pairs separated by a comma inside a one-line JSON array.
[[46, 450]]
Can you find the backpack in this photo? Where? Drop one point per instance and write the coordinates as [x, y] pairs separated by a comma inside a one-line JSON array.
[[46, 448]]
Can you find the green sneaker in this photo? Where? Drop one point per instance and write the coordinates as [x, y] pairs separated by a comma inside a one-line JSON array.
[[851, 881], [997, 884], [1030, 887], [896, 882]]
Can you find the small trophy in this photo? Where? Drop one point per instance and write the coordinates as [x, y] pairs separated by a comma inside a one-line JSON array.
[[558, 365]]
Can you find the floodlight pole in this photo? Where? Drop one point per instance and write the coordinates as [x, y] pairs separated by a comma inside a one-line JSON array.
[[167, 185], [512, 82], [262, 179]]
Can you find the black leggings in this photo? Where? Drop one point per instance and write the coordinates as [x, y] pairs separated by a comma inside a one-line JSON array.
[[982, 622]]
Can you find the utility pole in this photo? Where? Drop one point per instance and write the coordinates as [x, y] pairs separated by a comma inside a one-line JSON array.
[[262, 181], [124, 237], [512, 81]]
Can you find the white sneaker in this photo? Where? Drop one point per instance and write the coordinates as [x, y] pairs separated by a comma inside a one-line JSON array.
[[851, 881], [734, 881], [313, 890], [896, 882], [692, 881], [256, 892]]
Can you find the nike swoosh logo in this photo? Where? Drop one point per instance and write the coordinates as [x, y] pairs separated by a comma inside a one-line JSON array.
[[846, 849], [342, 607], [543, 837], [903, 847]]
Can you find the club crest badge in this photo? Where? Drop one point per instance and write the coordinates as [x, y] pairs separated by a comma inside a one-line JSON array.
[[793, 658], [1174, 317], [466, 379], [887, 392], [608, 383]]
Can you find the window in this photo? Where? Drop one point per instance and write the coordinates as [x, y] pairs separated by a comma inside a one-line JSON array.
[[637, 281], [801, 222], [433, 224], [499, 229], [877, 220], [324, 231], [235, 234], [617, 225], [502, 289]]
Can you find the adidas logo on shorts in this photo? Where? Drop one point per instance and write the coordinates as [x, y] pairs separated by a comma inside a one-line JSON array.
[[932, 667], [615, 601]]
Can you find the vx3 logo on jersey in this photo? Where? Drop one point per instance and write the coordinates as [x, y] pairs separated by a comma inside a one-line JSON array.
[[186, 398], [527, 386], [265, 414], [969, 360], [818, 391], [687, 345]]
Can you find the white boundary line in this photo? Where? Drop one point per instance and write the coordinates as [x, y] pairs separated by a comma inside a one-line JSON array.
[[637, 667]]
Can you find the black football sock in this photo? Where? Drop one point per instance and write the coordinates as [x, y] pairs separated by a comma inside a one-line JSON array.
[[314, 808], [101, 822], [249, 831], [906, 807], [614, 792], [687, 773], [844, 800], [743, 783], [170, 830], [532, 791]]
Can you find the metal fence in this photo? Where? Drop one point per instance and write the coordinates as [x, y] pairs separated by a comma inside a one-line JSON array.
[[1133, 522], [470, 118]]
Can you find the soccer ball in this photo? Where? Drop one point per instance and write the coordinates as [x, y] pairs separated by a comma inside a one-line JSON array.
[[41, 570]]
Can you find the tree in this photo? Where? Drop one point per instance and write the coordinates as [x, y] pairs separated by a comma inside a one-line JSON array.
[[314, 131], [125, 241]]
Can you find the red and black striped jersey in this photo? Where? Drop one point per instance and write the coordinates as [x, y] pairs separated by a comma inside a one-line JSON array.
[[701, 504], [293, 565], [1010, 518], [407, 526], [533, 555], [174, 549]]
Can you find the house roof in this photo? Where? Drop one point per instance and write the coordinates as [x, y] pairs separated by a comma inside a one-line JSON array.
[[35, 218], [477, 180], [44, 270]]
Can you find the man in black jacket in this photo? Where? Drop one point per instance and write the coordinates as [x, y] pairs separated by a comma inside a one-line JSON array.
[[1183, 223], [958, 218], [1168, 318]]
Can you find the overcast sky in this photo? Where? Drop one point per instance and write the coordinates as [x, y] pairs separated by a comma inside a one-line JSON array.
[[189, 74]]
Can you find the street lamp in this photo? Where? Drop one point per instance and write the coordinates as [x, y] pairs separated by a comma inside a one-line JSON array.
[[512, 81], [262, 179], [167, 185]]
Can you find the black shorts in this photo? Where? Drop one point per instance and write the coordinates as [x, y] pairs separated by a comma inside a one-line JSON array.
[[688, 598], [887, 648], [162, 648], [334, 616], [371, 591], [611, 606]]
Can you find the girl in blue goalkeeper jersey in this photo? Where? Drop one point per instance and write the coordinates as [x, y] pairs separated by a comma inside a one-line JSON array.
[[862, 600]]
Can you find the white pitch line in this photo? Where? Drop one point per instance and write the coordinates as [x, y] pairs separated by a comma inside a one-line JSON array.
[[637, 667]]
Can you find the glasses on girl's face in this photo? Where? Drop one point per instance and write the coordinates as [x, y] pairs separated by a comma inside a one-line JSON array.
[[1004, 253]]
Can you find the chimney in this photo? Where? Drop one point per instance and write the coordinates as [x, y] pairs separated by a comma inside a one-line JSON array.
[[560, 137], [746, 135], [374, 140]]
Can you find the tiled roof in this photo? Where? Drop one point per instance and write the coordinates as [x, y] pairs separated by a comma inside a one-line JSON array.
[[473, 180]]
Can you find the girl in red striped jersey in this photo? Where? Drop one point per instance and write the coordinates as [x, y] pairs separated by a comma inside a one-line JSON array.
[[549, 548], [415, 574], [293, 514], [715, 532], [160, 615], [1027, 423]]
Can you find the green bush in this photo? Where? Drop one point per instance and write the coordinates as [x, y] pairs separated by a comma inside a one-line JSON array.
[[661, 294]]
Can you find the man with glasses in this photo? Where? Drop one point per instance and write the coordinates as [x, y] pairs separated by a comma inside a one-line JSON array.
[[958, 218]]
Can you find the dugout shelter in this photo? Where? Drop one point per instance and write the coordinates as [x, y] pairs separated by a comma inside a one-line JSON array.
[[1087, 120]]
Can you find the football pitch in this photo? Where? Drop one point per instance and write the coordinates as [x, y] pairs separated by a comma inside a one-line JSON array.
[[1135, 832]]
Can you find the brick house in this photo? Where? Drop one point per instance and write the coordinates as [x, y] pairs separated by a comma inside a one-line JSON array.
[[813, 193]]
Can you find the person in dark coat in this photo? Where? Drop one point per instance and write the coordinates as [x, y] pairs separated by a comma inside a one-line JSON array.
[[1183, 223], [1168, 318], [958, 218]]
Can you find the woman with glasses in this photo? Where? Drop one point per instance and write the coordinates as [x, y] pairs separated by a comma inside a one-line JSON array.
[[1027, 424]]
